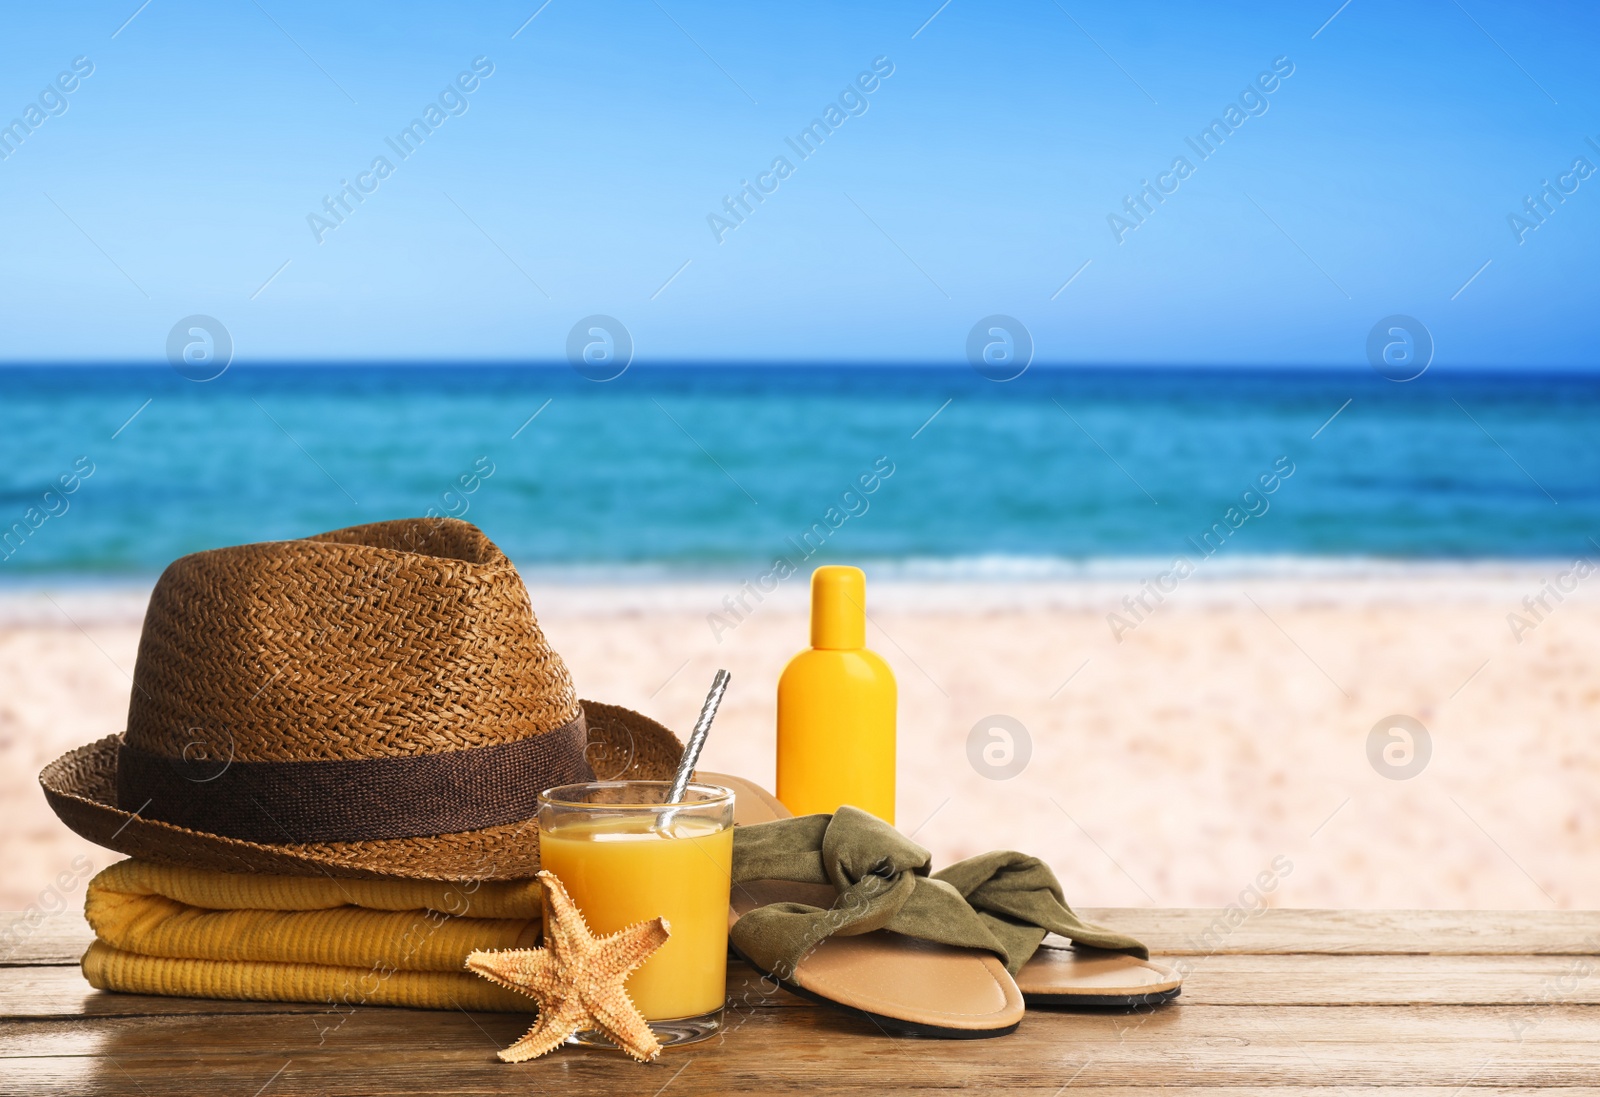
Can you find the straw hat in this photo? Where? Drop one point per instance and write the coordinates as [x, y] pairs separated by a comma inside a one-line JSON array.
[[375, 701]]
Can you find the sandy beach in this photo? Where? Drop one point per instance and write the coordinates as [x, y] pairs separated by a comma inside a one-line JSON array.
[[1220, 743]]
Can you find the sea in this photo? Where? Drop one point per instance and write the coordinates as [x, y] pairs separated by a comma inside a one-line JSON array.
[[111, 472]]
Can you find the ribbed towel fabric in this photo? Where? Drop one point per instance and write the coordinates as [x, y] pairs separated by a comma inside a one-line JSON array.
[[167, 929]]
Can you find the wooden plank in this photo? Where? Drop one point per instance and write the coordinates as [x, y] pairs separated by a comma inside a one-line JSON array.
[[676, 1075], [818, 1052], [1499, 1001], [61, 993], [1442, 932], [61, 938], [1312, 979], [1306, 979], [58, 938], [40, 992], [659, 1079]]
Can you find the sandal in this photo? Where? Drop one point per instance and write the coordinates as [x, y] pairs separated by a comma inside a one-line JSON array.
[[821, 937], [1057, 958], [904, 986], [815, 935]]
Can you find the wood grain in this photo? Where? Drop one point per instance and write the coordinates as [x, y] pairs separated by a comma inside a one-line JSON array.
[[1440, 932], [48, 939], [61, 938], [819, 1051], [1289, 980], [1289, 1002]]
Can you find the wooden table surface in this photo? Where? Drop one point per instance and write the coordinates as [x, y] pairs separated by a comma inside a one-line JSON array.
[[1286, 1001]]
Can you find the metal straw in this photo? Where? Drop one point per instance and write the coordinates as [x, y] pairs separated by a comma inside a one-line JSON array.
[[697, 742]]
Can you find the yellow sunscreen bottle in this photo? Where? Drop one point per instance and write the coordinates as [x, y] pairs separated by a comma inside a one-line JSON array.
[[836, 708]]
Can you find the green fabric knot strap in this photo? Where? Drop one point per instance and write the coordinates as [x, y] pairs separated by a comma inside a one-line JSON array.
[[1004, 902]]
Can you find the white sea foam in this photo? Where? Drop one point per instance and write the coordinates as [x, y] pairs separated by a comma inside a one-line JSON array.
[[976, 582], [1002, 568]]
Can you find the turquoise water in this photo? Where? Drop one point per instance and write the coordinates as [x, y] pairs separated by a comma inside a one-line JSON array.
[[673, 469]]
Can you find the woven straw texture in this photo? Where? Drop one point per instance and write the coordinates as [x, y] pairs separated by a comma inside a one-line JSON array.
[[385, 640], [353, 644]]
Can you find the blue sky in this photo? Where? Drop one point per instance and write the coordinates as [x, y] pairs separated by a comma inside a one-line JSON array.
[[978, 180]]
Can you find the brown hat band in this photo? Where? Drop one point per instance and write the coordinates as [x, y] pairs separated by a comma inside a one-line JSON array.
[[357, 799]]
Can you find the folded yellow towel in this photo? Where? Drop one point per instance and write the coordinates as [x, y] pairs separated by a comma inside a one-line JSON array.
[[166, 929]]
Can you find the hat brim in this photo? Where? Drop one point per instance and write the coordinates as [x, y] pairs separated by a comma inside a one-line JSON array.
[[81, 787]]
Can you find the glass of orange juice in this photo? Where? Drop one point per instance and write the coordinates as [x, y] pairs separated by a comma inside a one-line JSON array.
[[625, 855]]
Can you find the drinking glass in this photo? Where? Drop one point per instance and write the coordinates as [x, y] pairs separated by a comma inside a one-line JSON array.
[[626, 855]]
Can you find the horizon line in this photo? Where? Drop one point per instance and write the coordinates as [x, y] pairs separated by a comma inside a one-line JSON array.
[[790, 363]]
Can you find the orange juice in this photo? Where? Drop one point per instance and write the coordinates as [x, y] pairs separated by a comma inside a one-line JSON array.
[[622, 871]]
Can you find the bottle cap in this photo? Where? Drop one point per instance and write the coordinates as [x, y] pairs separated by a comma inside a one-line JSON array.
[[838, 608]]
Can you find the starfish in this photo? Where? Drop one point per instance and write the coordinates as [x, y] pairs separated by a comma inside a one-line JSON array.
[[576, 979]]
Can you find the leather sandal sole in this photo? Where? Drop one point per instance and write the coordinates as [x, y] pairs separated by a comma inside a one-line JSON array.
[[893, 1026], [1060, 975], [1092, 1001]]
